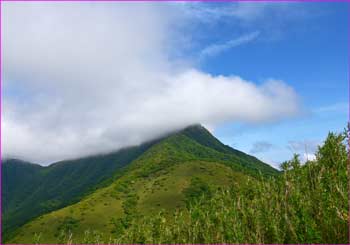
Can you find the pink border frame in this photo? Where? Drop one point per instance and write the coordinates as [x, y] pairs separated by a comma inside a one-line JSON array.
[[174, 0], [1, 65]]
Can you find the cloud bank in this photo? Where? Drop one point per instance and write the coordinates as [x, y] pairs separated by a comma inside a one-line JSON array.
[[81, 79]]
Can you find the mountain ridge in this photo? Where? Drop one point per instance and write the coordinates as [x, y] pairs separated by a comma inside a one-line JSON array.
[[193, 138], [62, 178]]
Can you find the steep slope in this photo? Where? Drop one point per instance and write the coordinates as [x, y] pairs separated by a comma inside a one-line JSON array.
[[30, 190], [168, 175], [20, 179], [202, 136], [307, 204]]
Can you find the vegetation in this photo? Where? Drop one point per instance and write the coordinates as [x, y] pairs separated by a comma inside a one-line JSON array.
[[158, 179], [306, 204], [183, 191], [30, 190]]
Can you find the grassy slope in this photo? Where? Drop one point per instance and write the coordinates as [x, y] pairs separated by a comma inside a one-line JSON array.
[[156, 180], [306, 204], [202, 136], [31, 190]]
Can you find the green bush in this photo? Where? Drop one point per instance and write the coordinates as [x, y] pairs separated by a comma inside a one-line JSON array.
[[305, 204]]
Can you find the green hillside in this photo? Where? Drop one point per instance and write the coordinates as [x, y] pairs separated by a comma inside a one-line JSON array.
[[307, 204], [30, 190], [203, 137], [20, 179], [169, 175]]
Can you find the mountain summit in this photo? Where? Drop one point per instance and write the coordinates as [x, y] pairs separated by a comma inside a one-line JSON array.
[[107, 190]]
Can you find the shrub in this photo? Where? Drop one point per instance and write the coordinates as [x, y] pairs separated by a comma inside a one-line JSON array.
[[305, 204]]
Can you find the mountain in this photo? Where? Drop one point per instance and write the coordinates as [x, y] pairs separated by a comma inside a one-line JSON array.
[[117, 188], [30, 190]]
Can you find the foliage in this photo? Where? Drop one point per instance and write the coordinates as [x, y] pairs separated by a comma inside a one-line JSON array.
[[30, 190], [197, 189], [306, 204], [156, 179]]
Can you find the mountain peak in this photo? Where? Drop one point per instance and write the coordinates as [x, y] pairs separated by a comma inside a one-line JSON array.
[[202, 136]]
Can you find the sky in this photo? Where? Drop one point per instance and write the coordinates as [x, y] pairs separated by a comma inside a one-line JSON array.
[[270, 79]]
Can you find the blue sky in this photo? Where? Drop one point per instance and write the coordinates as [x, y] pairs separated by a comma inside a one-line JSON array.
[[309, 53], [267, 78]]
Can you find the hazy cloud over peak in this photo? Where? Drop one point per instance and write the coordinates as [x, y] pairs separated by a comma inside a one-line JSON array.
[[88, 78]]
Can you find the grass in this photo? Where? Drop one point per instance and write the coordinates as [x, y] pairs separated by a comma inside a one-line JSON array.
[[306, 204], [144, 196], [207, 201], [31, 190]]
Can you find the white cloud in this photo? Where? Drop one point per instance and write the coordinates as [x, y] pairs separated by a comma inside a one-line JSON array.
[[306, 149], [215, 49], [84, 78], [308, 157], [340, 107], [249, 12]]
